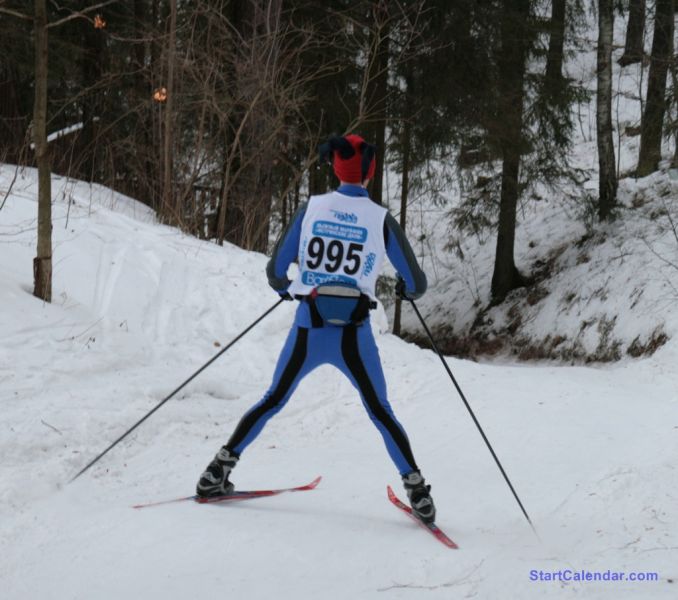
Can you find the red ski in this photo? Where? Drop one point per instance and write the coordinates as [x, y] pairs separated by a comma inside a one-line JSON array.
[[430, 527], [240, 495]]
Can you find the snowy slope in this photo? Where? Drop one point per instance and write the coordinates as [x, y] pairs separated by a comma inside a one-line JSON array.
[[138, 307]]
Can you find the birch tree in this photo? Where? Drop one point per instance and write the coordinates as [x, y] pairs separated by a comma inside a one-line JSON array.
[[607, 186]]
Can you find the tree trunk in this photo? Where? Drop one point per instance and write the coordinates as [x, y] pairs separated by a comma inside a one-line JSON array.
[[633, 49], [145, 186], [92, 69], [515, 14], [377, 90], [141, 29], [295, 202], [170, 212], [554, 59], [42, 263], [155, 80], [236, 15], [607, 187], [404, 197], [655, 104], [257, 199], [674, 79]]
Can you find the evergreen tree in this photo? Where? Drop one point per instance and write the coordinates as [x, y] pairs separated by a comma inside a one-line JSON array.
[[511, 64], [554, 59], [635, 29]]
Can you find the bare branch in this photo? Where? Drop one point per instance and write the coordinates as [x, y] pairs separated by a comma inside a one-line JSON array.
[[9, 189], [14, 13], [80, 14]]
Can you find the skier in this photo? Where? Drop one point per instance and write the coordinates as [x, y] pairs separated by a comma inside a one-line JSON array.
[[339, 239]]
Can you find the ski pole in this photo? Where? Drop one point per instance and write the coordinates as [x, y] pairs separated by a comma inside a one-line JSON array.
[[191, 378], [473, 416]]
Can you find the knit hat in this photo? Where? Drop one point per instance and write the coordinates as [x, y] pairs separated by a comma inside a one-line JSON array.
[[351, 157]]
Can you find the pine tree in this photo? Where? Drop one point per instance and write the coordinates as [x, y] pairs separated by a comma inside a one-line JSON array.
[[633, 49], [514, 47], [554, 57]]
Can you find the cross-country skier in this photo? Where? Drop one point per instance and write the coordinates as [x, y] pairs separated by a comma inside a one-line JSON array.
[[339, 240]]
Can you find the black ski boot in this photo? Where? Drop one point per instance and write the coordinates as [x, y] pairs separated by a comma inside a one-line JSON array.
[[420, 498], [214, 481]]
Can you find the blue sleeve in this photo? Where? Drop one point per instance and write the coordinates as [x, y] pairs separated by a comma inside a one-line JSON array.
[[285, 252], [402, 257]]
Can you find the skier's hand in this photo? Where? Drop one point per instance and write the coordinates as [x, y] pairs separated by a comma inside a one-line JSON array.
[[401, 289], [280, 287]]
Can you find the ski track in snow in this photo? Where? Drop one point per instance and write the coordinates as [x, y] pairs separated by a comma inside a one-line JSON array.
[[138, 307]]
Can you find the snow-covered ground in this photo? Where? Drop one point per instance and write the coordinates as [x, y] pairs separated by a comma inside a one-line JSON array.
[[138, 307]]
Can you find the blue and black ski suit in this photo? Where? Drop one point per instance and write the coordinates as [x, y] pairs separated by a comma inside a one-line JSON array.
[[350, 348]]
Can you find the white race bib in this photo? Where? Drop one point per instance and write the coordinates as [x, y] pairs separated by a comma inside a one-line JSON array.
[[342, 239]]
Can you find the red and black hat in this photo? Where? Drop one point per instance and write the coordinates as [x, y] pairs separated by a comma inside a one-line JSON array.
[[352, 158]]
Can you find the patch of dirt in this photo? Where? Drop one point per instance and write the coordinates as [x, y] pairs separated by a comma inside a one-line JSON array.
[[655, 341]]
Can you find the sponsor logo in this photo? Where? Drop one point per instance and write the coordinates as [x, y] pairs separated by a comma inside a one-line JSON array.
[[314, 279], [345, 217], [369, 263], [340, 232]]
